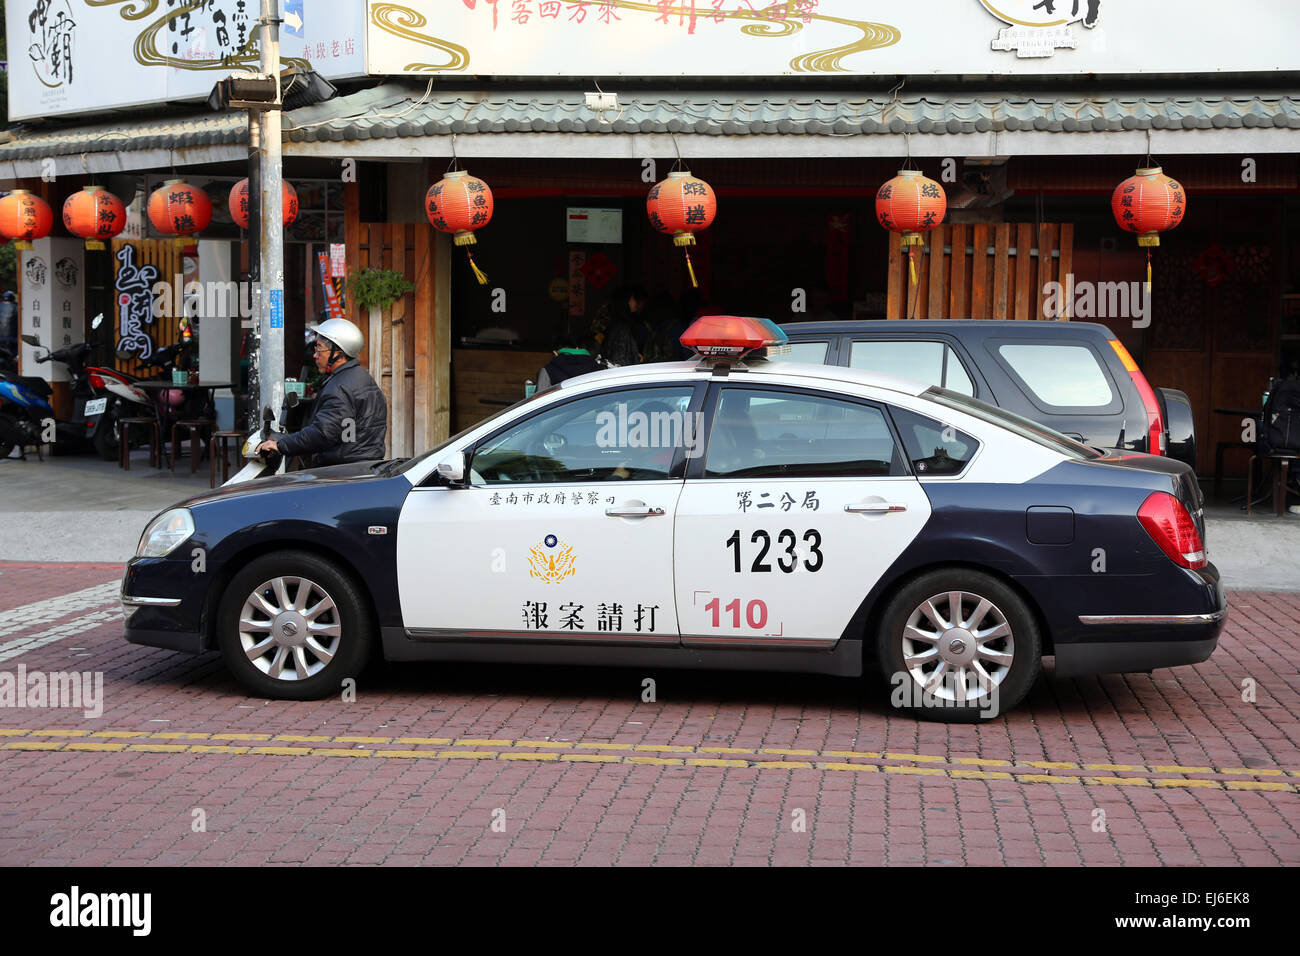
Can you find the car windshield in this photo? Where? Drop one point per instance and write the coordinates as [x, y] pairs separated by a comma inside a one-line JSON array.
[[1024, 427], [394, 466]]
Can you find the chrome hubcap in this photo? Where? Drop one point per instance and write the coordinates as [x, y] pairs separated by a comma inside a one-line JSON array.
[[290, 628], [958, 646]]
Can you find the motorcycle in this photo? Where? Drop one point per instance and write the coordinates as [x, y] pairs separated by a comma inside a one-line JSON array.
[[263, 464]]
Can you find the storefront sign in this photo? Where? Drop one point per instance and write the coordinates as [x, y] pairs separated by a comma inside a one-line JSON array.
[[134, 288], [594, 225], [53, 301], [77, 56], [635, 38]]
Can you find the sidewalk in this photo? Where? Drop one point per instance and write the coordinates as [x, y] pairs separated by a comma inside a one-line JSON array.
[[79, 508], [111, 506]]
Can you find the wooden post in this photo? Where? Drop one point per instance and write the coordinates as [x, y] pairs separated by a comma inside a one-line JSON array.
[[440, 414], [422, 357], [1024, 270], [1046, 265], [979, 274], [1066, 265], [937, 300], [957, 297], [1001, 268], [397, 340], [895, 307]]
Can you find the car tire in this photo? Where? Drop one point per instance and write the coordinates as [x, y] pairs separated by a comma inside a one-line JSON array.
[[309, 640], [107, 438], [959, 667]]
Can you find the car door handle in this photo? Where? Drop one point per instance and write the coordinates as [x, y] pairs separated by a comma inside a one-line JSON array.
[[875, 507], [633, 511]]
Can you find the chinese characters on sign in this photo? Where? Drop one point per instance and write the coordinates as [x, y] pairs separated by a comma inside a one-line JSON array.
[[134, 303], [746, 500]]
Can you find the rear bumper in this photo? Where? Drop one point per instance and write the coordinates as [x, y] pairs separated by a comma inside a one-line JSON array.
[[1118, 643]]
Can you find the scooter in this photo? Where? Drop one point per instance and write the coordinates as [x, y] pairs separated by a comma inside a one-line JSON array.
[[263, 464], [26, 416]]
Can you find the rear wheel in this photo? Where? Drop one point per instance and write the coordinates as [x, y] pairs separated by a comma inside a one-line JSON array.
[[293, 626], [958, 645]]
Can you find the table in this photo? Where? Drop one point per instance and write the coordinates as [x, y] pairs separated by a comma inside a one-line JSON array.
[[188, 390], [1219, 447]]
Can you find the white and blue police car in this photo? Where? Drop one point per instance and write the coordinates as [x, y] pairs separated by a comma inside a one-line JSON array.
[[729, 512]]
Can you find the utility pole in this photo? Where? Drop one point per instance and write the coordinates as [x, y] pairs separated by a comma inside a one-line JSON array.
[[255, 267], [271, 215]]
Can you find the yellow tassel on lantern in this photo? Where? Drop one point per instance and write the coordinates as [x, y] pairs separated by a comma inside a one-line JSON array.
[[478, 273], [911, 266], [1148, 271], [690, 268]]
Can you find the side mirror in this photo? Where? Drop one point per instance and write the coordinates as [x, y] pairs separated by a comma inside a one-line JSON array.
[[32, 341], [452, 468], [97, 321]]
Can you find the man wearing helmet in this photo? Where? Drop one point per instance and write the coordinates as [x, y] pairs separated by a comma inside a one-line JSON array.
[[349, 420]]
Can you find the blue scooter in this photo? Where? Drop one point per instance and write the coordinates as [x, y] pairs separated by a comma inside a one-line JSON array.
[[26, 417]]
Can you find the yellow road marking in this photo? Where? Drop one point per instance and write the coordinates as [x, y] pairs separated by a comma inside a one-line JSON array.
[[674, 755]]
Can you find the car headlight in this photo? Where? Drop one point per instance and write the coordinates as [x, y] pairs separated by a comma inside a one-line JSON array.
[[165, 533]]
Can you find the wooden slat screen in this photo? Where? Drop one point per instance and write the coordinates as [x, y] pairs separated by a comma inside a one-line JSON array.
[[980, 271], [407, 344]]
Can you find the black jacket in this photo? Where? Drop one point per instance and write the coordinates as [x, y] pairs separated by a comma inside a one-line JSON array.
[[348, 394], [566, 366]]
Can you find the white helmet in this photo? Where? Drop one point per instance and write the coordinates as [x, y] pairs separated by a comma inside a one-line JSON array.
[[343, 334]]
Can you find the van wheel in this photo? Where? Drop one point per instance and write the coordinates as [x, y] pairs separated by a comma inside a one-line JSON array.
[[293, 626], [958, 645]]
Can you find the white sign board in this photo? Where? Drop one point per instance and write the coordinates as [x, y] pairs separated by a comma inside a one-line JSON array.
[[594, 225], [636, 38], [68, 56], [53, 301]]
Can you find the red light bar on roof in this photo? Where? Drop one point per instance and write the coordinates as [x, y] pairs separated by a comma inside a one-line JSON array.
[[731, 335]]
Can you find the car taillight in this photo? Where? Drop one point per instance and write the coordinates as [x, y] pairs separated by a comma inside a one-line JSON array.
[[1155, 424], [1172, 528], [96, 381]]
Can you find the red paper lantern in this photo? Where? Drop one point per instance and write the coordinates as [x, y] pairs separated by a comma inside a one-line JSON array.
[[681, 206], [1148, 203], [460, 204], [94, 214], [25, 216], [238, 202], [180, 209], [911, 204]]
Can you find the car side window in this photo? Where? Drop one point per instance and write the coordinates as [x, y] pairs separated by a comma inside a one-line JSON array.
[[933, 447], [934, 363], [626, 435], [1064, 376], [764, 433], [813, 353]]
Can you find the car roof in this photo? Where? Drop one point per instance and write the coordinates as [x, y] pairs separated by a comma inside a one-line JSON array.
[[755, 370], [922, 326]]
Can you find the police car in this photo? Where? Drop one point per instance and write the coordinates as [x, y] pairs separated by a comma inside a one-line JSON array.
[[729, 512]]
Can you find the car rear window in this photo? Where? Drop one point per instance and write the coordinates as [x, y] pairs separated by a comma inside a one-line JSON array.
[[814, 353], [1066, 376], [931, 362], [1024, 427]]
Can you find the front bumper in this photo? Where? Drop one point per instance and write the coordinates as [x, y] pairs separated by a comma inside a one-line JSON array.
[[161, 605]]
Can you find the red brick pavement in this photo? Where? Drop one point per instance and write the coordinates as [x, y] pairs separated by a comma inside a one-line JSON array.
[[131, 806]]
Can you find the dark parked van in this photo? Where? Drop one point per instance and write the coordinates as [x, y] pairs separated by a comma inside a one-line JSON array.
[[1075, 377]]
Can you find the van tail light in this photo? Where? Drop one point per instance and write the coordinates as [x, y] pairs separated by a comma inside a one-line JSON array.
[[96, 381], [1172, 528], [1155, 424]]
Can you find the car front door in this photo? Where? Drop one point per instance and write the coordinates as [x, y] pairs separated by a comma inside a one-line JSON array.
[[563, 530], [800, 504]]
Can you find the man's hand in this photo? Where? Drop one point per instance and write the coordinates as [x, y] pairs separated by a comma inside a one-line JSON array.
[[269, 445]]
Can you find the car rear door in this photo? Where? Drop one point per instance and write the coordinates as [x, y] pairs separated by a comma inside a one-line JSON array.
[[801, 502]]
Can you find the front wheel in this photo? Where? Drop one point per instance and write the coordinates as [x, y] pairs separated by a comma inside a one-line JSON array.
[[107, 438], [958, 645], [293, 626]]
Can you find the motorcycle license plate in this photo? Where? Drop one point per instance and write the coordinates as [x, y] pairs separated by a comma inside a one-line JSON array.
[[96, 406]]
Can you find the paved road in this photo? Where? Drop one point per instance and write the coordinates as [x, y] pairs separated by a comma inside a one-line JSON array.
[[488, 765]]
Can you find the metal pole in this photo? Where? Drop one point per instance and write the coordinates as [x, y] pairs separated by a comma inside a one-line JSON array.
[[254, 268], [271, 320]]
